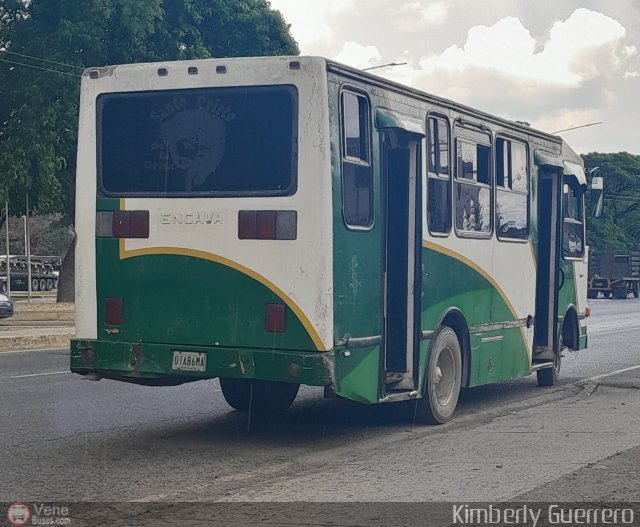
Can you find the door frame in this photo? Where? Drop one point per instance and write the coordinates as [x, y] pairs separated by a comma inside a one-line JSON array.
[[549, 194], [399, 139]]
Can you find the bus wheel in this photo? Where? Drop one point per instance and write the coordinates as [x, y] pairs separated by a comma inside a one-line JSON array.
[[443, 379], [549, 376], [261, 396]]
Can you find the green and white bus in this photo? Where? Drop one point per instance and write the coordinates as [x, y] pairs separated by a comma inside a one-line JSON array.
[[278, 221]]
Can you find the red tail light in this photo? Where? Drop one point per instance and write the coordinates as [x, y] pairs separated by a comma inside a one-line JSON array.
[[122, 224], [267, 224], [113, 311], [275, 318]]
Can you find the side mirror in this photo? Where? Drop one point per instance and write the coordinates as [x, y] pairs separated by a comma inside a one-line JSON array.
[[597, 196]]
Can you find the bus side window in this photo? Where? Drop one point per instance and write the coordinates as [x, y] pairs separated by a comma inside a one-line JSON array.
[[439, 177], [573, 221], [357, 171], [512, 196], [473, 187]]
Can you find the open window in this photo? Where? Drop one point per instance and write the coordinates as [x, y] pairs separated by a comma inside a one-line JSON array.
[[473, 185], [357, 170], [512, 190], [439, 176], [573, 219]]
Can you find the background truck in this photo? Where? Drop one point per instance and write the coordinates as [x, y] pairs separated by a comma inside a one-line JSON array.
[[44, 273], [614, 273]]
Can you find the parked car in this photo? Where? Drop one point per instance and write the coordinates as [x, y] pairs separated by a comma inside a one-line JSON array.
[[6, 306]]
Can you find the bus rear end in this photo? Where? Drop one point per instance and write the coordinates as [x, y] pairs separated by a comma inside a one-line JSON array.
[[203, 216]]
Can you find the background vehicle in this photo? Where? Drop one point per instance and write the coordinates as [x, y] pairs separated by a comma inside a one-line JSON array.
[[44, 273], [6, 306], [322, 226], [614, 273]]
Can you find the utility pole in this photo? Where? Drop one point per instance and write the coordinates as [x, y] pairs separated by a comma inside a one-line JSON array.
[[6, 225], [27, 241]]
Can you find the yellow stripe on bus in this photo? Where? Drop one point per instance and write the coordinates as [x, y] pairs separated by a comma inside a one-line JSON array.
[[317, 341], [457, 256]]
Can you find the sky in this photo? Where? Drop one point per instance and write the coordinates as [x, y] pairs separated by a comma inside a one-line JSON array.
[[553, 63]]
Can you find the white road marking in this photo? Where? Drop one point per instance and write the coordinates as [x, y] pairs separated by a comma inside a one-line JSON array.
[[37, 349], [602, 376], [38, 374]]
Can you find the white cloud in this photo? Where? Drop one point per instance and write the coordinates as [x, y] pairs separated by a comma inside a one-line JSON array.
[[567, 56], [631, 75], [415, 16], [310, 20], [357, 55]]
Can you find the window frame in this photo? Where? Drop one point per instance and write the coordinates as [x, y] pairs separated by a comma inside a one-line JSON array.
[[344, 158], [512, 139], [573, 221], [295, 147], [471, 135], [437, 175]]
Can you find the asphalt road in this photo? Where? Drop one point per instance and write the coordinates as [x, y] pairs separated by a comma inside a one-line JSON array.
[[64, 438]]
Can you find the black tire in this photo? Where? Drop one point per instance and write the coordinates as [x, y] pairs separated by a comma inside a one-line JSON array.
[[43, 284], [620, 293], [550, 376], [443, 379], [49, 284], [636, 291], [34, 284], [608, 294], [260, 396], [3, 287]]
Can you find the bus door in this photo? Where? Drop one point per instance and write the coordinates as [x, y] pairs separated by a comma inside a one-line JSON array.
[[548, 278], [401, 258]]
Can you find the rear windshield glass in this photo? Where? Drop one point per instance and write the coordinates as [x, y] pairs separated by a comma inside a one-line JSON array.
[[217, 141]]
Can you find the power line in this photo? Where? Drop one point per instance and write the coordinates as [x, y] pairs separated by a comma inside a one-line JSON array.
[[40, 68], [41, 59]]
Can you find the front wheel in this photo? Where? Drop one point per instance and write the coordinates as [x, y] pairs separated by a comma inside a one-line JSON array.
[[443, 379], [258, 395]]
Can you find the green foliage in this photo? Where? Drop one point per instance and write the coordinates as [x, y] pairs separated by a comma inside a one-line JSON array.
[[39, 103], [619, 225]]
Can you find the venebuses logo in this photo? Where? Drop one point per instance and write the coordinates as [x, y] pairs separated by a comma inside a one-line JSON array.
[[18, 514]]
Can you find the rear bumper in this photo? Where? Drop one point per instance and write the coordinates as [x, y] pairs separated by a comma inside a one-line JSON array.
[[151, 364]]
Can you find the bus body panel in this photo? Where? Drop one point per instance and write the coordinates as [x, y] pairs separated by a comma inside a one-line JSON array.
[[193, 281], [332, 277]]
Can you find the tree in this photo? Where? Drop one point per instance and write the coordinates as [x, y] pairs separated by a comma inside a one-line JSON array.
[[619, 225], [47, 43]]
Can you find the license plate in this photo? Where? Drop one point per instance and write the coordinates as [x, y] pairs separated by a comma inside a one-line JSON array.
[[189, 361]]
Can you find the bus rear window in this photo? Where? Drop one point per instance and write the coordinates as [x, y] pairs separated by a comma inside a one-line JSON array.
[[235, 141]]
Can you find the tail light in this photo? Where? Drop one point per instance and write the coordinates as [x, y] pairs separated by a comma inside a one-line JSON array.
[[275, 318], [122, 224], [113, 311], [267, 224]]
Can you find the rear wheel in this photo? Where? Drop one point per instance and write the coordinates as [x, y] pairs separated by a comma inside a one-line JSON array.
[[35, 284], [620, 292], [3, 287], [258, 395], [49, 284], [443, 379], [636, 291], [549, 376], [43, 284]]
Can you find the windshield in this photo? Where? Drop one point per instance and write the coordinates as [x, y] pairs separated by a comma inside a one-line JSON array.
[[213, 141]]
